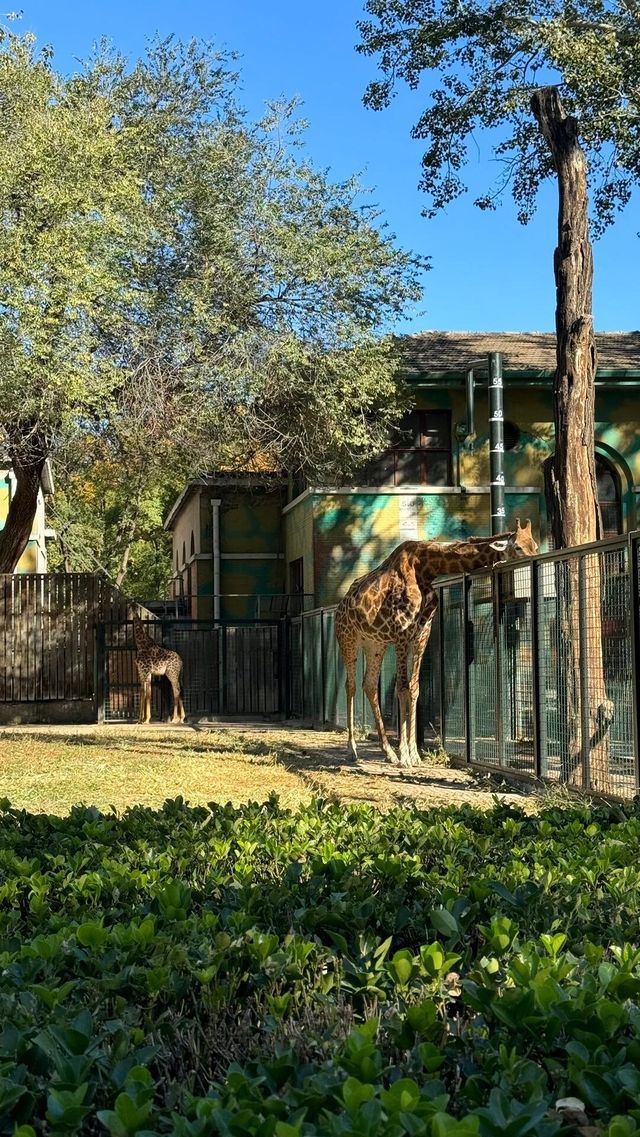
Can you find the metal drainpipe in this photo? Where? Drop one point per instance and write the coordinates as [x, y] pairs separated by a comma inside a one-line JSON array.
[[471, 420], [496, 442], [215, 555]]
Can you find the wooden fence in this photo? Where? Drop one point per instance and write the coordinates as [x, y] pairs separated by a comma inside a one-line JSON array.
[[48, 643]]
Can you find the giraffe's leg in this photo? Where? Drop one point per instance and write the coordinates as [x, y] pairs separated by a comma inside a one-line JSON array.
[[419, 647], [402, 689], [145, 698], [178, 705], [349, 649], [142, 679], [147, 717], [374, 654]]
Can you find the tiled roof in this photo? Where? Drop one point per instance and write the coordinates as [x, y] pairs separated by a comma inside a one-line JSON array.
[[430, 352]]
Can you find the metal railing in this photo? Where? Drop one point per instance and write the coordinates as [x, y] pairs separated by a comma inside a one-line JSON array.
[[250, 605], [531, 668]]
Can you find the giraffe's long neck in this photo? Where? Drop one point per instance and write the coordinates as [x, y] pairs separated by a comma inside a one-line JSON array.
[[141, 637], [458, 556]]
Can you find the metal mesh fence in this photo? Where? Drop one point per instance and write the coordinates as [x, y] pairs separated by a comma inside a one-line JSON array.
[[514, 635], [535, 671], [227, 669], [484, 696], [452, 669]]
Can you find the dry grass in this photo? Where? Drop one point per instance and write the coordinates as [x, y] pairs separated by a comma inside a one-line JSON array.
[[50, 769]]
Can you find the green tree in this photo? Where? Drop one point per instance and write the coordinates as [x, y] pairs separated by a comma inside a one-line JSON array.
[[207, 294], [68, 202], [532, 76]]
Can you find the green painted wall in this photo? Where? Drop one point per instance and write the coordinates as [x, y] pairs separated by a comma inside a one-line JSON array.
[[251, 523], [250, 578], [355, 531]]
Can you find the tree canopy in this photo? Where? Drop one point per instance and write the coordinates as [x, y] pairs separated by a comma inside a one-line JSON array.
[[181, 287], [486, 59]]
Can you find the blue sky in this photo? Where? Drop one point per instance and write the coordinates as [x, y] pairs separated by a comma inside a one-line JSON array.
[[489, 273]]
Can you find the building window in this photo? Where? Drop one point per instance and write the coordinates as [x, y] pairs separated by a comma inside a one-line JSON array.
[[192, 549], [296, 577], [609, 497], [511, 434], [421, 453]]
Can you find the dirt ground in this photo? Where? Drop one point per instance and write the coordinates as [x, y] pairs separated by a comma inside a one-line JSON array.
[[51, 768]]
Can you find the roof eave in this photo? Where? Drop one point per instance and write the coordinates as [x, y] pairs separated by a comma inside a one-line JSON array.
[[430, 378]]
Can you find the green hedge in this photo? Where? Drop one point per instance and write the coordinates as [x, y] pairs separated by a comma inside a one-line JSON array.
[[333, 971]]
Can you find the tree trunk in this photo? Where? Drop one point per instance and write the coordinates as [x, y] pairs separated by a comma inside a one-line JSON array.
[[27, 463], [574, 512], [572, 499]]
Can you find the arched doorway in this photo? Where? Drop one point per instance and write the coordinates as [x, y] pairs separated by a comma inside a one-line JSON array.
[[609, 497]]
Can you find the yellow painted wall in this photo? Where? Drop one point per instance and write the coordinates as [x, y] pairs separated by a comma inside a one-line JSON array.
[[354, 532], [34, 558], [298, 540], [186, 523]]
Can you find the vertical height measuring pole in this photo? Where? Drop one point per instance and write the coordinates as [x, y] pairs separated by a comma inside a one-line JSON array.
[[496, 442]]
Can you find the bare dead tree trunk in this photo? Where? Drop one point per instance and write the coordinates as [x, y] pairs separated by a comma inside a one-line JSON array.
[[572, 498], [28, 464]]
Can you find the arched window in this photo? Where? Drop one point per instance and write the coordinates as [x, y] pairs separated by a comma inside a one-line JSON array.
[[609, 497], [184, 552], [193, 545]]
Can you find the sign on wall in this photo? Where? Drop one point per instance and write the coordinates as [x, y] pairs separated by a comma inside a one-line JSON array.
[[408, 517]]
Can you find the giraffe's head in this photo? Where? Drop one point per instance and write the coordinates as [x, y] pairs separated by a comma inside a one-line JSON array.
[[516, 545]]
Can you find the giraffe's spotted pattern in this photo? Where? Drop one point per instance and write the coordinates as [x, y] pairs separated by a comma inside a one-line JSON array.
[[395, 604], [153, 659]]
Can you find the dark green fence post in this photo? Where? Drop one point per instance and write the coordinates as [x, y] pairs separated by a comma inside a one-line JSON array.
[[584, 672], [539, 735], [496, 584], [467, 648], [441, 692]]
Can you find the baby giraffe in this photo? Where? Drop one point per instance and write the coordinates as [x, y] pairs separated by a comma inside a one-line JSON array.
[[153, 659]]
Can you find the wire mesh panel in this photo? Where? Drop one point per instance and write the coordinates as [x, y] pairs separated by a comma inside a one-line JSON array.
[[313, 679], [122, 686], [484, 695], [453, 674], [429, 724], [335, 696], [250, 660], [559, 693], [199, 647], [515, 677], [294, 666], [609, 688]]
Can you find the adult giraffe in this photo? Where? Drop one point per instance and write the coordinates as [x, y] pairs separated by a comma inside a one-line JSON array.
[[395, 604]]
